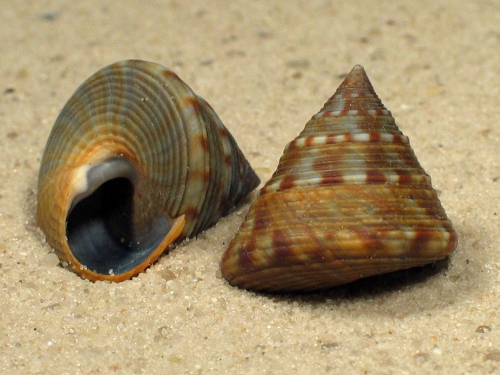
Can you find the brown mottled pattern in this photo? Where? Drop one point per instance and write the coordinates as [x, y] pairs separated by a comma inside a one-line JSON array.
[[348, 200]]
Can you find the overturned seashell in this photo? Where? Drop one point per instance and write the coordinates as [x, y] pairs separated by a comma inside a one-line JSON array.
[[348, 200], [134, 162]]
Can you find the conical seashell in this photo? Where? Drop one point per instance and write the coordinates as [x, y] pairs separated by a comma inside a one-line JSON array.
[[135, 161], [348, 200]]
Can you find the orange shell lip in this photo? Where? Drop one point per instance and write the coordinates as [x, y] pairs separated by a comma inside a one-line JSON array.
[[175, 231]]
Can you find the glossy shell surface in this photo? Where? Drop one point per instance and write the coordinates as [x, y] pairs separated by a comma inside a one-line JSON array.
[[348, 200], [134, 162]]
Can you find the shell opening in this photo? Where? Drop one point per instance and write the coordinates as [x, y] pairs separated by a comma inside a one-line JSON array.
[[100, 226]]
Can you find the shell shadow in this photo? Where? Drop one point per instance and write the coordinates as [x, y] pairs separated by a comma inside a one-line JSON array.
[[369, 287]]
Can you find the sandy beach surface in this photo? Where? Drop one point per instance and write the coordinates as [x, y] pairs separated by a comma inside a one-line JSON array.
[[266, 68]]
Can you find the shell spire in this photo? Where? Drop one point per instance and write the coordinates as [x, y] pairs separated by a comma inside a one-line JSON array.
[[355, 86], [348, 200]]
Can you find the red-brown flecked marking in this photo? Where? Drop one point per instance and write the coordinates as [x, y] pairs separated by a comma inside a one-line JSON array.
[[245, 258], [309, 141], [420, 243], [397, 138], [223, 132], [191, 213], [195, 103], [288, 182], [373, 176], [405, 179], [349, 137], [203, 142], [283, 248], [332, 180], [375, 137], [168, 74]]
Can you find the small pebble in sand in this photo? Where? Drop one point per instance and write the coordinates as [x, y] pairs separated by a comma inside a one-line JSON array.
[[483, 329]]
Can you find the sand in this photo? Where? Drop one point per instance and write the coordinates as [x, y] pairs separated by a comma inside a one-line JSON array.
[[266, 68]]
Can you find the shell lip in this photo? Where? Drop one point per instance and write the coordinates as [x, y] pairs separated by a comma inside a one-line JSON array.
[[135, 266]]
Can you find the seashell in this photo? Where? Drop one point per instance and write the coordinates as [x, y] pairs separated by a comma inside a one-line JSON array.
[[349, 200], [134, 162]]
